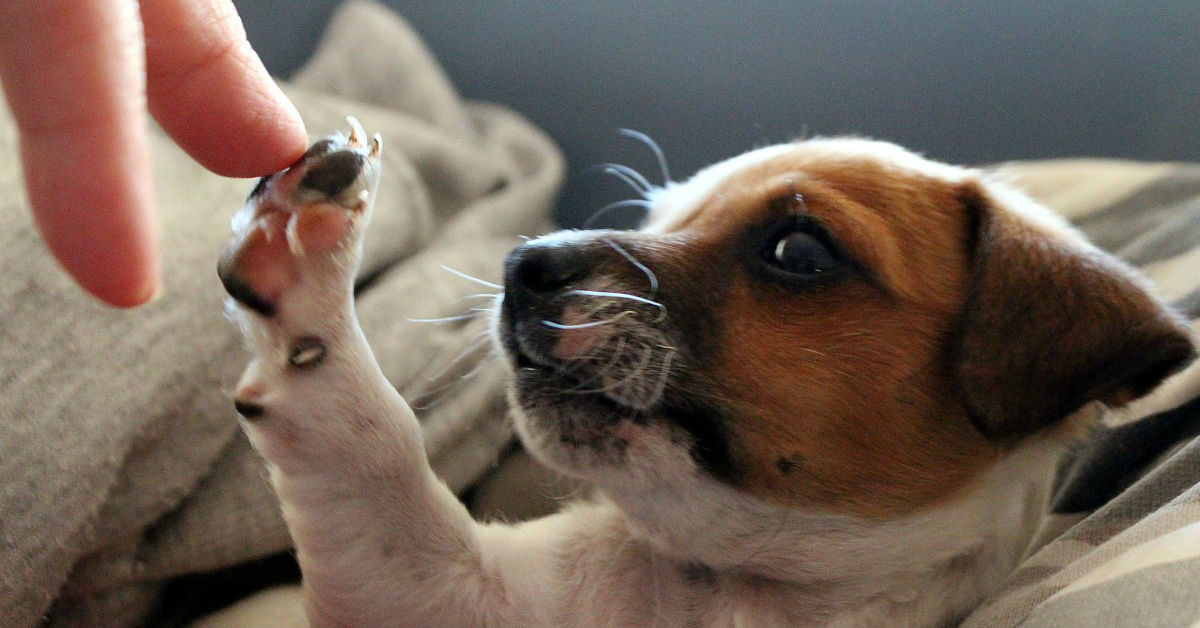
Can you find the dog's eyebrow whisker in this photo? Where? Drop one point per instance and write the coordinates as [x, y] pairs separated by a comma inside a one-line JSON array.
[[470, 278], [629, 202], [631, 177], [640, 266], [654, 147]]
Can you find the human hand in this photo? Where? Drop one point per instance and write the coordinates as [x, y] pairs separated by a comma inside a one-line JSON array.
[[79, 76]]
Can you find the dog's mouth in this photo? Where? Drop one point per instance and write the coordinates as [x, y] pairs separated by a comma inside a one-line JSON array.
[[589, 348], [584, 413]]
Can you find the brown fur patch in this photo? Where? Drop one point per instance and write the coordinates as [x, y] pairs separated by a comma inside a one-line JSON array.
[[1050, 327]]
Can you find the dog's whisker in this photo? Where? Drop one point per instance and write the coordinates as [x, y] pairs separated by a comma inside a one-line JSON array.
[[655, 148], [449, 319], [481, 340], [635, 373], [492, 355], [640, 266], [629, 202], [559, 490], [618, 295], [644, 365], [433, 395], [622, 384], [616, 356], [631, 178], [470, 278], [480, 295], [632, 173], [471, 347], [665, 372], [554, 325], [607, 321], [597, 307]]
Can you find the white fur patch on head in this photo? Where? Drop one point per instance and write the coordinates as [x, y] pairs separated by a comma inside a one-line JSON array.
[[675, 203]]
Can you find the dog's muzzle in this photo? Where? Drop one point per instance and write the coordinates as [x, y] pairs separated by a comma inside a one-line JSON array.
[[539, 277], [536, 273]]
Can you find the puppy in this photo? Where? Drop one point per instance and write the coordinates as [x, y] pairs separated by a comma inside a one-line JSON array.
[[823, 384]]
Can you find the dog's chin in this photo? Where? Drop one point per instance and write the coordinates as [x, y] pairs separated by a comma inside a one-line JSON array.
[[582, 432], [594, 437]]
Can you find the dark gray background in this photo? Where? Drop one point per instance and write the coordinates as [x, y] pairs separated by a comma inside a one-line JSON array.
[[966, 83]]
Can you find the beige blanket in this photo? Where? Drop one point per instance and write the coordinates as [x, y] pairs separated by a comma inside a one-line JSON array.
[[121, 463]]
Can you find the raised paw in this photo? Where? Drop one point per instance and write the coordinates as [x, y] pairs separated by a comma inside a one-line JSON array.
[[310, 215]]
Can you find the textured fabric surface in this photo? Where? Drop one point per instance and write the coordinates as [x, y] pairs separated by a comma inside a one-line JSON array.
[[121, 463], [1123, 547]]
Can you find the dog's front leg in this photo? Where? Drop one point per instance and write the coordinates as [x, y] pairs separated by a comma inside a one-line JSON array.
[[379, 538]]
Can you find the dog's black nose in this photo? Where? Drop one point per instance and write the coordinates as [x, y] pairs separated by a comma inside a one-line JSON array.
[[537, 269]]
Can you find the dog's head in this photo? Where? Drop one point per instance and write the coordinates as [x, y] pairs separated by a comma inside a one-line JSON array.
[[834, 324]]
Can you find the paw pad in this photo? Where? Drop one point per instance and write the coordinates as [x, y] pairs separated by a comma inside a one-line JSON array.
[[316, 208]]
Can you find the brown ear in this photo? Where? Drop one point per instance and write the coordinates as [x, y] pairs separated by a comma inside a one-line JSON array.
[[1050, 326]]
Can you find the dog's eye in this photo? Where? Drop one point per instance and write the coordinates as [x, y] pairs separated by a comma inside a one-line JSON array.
[[802, 253]]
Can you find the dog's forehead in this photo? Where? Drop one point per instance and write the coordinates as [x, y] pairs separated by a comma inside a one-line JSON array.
[[678, 203]]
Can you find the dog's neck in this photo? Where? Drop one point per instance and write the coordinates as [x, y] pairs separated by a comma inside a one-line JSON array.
[[931, 565]]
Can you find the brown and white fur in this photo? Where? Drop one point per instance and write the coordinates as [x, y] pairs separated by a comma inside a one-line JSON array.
[[819, 386]]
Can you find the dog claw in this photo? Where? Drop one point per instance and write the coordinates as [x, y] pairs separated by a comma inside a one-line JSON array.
[[293, 237], [356, 132]]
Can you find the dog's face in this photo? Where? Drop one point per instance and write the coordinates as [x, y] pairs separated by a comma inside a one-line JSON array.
[[832, 324]]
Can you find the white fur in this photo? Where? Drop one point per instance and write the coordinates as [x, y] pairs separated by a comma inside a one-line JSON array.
[[383, 542]]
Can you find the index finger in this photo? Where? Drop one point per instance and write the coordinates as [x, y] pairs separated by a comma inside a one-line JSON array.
[[72, 76], [211, 93]]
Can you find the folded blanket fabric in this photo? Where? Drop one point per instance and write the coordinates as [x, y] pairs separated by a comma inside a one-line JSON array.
[[121, 464]]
